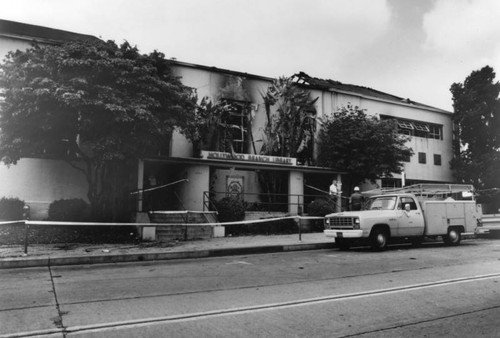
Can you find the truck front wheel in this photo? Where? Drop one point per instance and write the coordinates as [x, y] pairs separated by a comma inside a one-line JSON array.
[[378, 239], [453, 237]]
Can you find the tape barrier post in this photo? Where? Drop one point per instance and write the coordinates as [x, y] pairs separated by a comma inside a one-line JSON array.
[[26, 216], [297, 220]]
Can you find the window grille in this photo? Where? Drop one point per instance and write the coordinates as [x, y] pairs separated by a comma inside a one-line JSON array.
[[405, 125], [422, 158], [235, 125], [435, 132], [421, 127], [437, 159], [417, 128]]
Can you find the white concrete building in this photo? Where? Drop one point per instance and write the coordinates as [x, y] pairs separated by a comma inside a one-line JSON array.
[[197, 176]]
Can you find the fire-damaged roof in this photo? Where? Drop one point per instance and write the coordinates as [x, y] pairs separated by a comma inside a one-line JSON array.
[[38, 33], [336, 86]]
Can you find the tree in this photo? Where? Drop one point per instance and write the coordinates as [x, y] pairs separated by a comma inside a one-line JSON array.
[[364, 146], [476, 107], [93, 103], [294, 119], [289, 131]]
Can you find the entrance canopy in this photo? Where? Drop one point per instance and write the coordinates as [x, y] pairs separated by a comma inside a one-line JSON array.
[[246, 162]]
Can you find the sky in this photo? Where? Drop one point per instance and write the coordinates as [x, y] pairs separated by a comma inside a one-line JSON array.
[[414, 49]]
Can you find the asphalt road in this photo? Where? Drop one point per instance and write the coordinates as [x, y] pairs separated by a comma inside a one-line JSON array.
[[432, 291]]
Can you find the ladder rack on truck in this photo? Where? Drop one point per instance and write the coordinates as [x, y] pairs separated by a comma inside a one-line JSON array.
[[436, 192], [445, 204]]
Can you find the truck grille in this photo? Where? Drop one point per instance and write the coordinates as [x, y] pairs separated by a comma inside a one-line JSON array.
[[341, 223]]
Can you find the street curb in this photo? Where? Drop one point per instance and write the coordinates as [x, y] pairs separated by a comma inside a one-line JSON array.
[[12, 263]]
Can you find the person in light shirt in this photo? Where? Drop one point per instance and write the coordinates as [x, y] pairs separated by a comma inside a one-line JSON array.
[[334, 191]]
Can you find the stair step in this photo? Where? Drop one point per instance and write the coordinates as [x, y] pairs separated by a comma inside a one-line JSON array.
[[177, 231], [169, 233], [177, 218]]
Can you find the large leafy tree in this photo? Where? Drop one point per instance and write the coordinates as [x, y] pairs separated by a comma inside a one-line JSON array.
[[294, 115], [364, 146], [476, 107], [289, 130], [92, 103]]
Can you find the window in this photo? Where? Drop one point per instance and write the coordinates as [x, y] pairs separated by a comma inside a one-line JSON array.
[[407, 200], [437, 159], [422, 158], [405, 127], [393, 183], [435, 132], [236, 125], [417, 128], [421, 129], [381, 203]]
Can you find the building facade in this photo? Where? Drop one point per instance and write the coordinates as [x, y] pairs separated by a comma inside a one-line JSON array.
[[190, 176]]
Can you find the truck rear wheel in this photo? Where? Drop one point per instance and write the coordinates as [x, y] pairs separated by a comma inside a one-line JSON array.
[[379, 239], [453, 237]]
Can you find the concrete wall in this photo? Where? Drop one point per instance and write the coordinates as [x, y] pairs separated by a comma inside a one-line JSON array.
[[330, 102], [9, 44], [208, 84], [39, 182], [249, 179], [191, 193], [296, 187]]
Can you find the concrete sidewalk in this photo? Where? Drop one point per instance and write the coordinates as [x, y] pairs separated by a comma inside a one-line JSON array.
[[13, 256]]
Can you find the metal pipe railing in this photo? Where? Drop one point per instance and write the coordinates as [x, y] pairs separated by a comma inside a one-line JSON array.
[[257, 201]]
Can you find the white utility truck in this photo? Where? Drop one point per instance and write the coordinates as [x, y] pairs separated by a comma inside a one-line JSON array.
[[408, 214]]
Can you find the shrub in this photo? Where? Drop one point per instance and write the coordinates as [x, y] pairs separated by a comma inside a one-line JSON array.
[[320, 207], [11, 209], [75, 209], [230, 209]]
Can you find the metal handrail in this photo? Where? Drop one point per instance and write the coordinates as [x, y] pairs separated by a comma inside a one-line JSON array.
[[208, 203], [141, 192], [180, 201], [300, 200]]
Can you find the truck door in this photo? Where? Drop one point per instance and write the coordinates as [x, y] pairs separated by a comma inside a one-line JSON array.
[[410, 223]]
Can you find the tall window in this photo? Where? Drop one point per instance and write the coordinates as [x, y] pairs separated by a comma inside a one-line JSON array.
[[235, 126], [435, 132]]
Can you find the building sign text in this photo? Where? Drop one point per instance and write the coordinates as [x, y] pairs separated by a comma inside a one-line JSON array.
[[249, 158]]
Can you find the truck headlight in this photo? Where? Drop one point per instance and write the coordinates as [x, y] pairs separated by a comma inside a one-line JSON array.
[[356, 224]]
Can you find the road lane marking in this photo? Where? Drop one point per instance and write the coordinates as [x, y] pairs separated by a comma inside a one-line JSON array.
[[239, 262], [137, 323], [265, 307]]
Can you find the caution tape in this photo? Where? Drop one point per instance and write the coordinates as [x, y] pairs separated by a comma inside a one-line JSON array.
[[263, 220], [12, 222]]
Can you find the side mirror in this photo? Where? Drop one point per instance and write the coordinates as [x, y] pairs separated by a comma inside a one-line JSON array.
[[407, 207]]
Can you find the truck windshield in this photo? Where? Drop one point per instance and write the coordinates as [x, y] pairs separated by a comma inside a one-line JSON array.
[[381, 203]]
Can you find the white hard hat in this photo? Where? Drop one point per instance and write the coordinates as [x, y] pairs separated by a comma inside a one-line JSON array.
[[356, 188]]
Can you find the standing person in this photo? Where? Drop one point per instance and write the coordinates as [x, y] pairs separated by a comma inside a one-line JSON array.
[[333, 188], [356, 200], [334, 193]]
